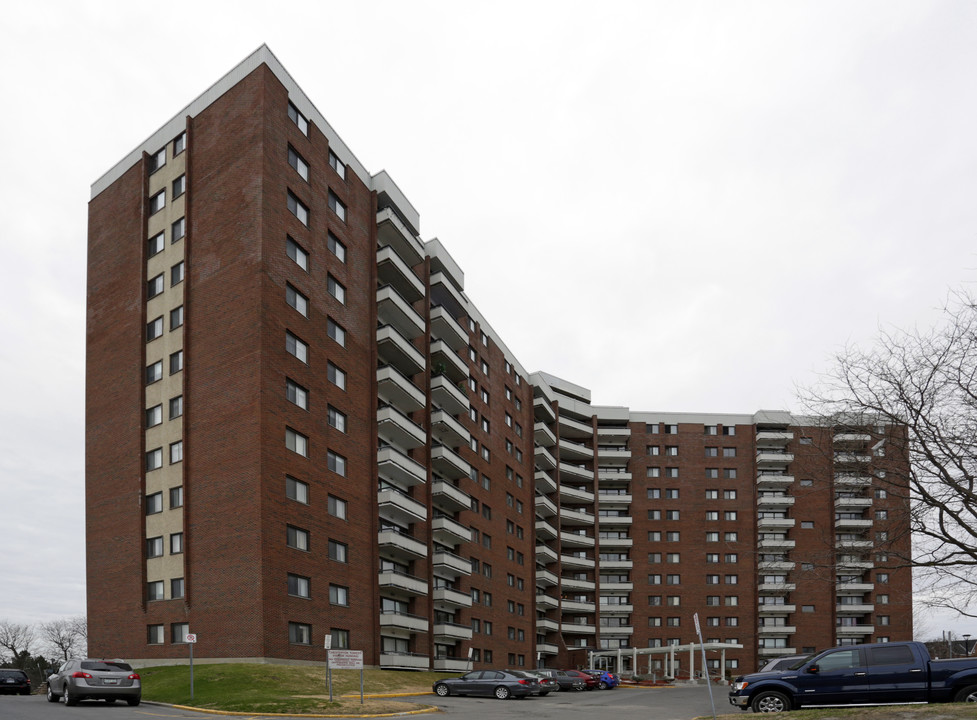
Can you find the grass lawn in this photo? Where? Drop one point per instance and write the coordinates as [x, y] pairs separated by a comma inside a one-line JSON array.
[[294, 689]]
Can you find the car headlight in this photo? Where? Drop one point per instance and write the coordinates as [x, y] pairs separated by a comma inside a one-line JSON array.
[[740, 686]]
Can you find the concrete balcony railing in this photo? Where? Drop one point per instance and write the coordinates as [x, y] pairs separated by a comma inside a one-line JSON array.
[[450, 532], [546, 602], [449, 431], [447, 563], [393, 387], [547, 649], [544, 458], [610, 434], [774, 438], [574, 495], [778, 480], [449, 396], [394, 349], [545, 530], [616, 609], [392, 231], [614, 520], [853, 588], [545, 578], [400, 508], [450, 597], [852, 439], [397, 467], [570, 450], [571, 539], [775, 523], [609, 500], [398, 545], [404, 661], [851, 630], [777, 629], [545, 508], [444, 327], [771, 609], [453, 631], [395, 428], [543, 411], [616, 586], [545, 554], [577, 628], [774, 502], [574, 429], [851, 609], [402, 583], [852, 503], [543, 436], [578, 606], [392, 270], [575, 472], [575, 517], [448, 497], [853, 524], [403, 622], [769, 458], [572, 561], [766, 652], [393, 309], [449, 362], [615, 542], [770, 545], [455, 665], [546, 625], [569, 583], [544, 482], [449, 463]]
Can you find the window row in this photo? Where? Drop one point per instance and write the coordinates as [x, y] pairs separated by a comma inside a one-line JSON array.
[[158, 158], [154, 415], [154, 371], [672, 472], [154, 457], [157, 243], [155, 545], [155, 589]]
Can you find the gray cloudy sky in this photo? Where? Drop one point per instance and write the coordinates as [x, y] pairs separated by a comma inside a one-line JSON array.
[[680, 205]]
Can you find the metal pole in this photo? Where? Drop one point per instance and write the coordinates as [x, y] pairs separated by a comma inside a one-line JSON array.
[[191, 671], [361, 685], [329, 675]]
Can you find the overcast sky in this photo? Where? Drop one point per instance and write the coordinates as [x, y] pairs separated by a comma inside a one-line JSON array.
[[683, 206]]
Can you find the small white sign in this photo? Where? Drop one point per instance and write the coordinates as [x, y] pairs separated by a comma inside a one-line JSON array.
[[328, 641], [695, 617], [191, 637], [346, 659]]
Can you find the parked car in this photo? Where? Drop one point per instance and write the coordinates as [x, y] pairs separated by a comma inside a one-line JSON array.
[[605, 680], [502, 684], [590, 681], [91, 679], [14, 682], [547, 684], [784, 663], [874, 674], [564, 680]]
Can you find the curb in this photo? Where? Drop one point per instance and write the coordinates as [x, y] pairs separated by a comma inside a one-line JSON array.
[[420, 711]]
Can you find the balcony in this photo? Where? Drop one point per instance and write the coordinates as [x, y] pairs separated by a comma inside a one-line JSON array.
[[574, 429], [545, 554], [615, 586], [393, 310], [852, 503], [616, 609], [609, 500], [775, 523], [613, 455], [847, 458], [859, 524], [853, 588], [395, 466], [861, 564], [547, 649], [777, 629], [852, 630], [542, 410], [399, 545], [448, 396], [446, 496], [447, 361], [775, 566], [574, 561], [771, 437], [771, 652], [395, 428], [393, 387], [774, 545], [393, 232], [577, 628], [849, 438], [573, 539], [394, 349], [776, 588], [450, 532], [449, 431], [545, 530], [545, 508], [774, 481], [545, 578], [774, 502], [772, 609], [440, 278], [578, 606], [544, 482], [616, 564], [397, 584], [404, 661], [769, 458], [444, 327], [452, 631], [572, 517], [613, 434], [449, 463], [573, 472], [400, 508], [393, 271], [861, 609], [450, 565], [852, 481], [614, 521], [545, 602], [610, 543], [445, 597], [570, 494], [575, 451], [569, 583], [544, 458], [546, 625], [455, 665], [403, 622], [854, 544], [543, 436]]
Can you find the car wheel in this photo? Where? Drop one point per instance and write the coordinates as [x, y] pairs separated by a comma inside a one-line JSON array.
[[51, 697], [770, 702], [602, 685], [69, 697], [502, 692], [442, 690], [967, 695], [133, 701]]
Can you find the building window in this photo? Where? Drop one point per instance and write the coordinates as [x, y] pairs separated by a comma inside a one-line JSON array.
[[336, 332], [729, 452], [712, 537], [299, 586], [729, 494], [710, 429], [297, 300], [155, 634], [298, 209], [882, 578], [336, 247], [336, 164], [337, 206], [671, 472], [337, 419], [729, 473], [176, 588], [297, 538], [296, 347], [157, 160], [176, 497], [154, 461], [298, 162], [297, 253], [729, 430], [154, 416], [729, 515], [154, 590], [155, 286], [336, 463], [176, 543], [154, 547], [296, 394], [176, 318], [337, 507], [297, 442], [179, 144], [296, 490], [653, 472], [336, 289], [154, 329], [671, 494], [712, 452], [712, 473], [302, 124], [712, 494], [157, 202], [672, 536], [177, 274], [337, 551], [299, 633], [179, 186], [176, 362], [156, 245], [672, 515], [176, 452], [176, 407]]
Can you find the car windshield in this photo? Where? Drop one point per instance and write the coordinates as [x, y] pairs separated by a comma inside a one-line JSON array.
[[797, 663], [105, 666]]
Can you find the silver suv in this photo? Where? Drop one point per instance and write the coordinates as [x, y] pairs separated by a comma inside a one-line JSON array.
[[108, 680]]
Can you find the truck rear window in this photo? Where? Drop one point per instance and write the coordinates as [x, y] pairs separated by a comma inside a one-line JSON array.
[[895, 655]]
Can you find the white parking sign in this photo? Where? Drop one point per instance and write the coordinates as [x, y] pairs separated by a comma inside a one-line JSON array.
[[191, 637]]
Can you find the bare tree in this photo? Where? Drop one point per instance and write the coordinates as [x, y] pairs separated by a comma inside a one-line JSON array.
[[16, 639], [923, 384], [65, 637]]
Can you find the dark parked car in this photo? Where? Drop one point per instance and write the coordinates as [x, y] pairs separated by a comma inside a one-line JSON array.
[[91, 679], [589, 680], [502, 684], [605, 680], [546, 683], [564, 680], [784, 663], [14, 681]]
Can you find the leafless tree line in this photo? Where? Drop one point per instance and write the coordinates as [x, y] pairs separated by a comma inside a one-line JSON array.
[[56, 640]]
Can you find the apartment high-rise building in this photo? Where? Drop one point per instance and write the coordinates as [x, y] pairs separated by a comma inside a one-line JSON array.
[[300, 426]]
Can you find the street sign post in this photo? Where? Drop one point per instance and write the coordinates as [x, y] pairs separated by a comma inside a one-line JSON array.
[[191, 639], [705, 667], [328, 668]]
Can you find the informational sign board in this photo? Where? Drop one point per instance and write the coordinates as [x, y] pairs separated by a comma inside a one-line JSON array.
[[191, 637], [346, 659]]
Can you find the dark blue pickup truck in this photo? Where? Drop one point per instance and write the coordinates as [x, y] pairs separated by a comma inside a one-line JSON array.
[[898, 672]]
